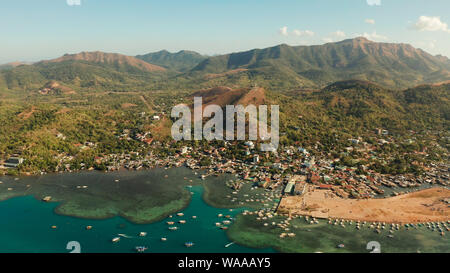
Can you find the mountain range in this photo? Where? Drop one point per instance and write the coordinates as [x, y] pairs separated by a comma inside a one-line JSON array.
[[393, 65], [182, 61], [279, 68]]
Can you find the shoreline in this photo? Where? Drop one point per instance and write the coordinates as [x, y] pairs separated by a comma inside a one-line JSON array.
[[422, 206]]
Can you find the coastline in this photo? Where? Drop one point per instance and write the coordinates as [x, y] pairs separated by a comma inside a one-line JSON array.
[[422, 206], [134, 198]]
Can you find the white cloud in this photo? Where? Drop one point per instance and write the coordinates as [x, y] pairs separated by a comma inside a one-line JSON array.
[[426, 23], [339, 34], [374, 2], [327, 40], [297, 32], [374, 36], [370, 21], [284, 31], [73, 2]]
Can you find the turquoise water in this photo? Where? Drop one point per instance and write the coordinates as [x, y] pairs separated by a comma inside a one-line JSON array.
[[26, 227]]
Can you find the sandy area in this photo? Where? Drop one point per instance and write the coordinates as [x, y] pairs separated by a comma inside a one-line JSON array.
[[422, 206]]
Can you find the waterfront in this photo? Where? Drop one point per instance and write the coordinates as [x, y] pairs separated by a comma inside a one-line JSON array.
[[125, 202], [28, 229]]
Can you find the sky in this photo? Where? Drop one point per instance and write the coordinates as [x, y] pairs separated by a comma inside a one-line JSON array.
[[33, 30]]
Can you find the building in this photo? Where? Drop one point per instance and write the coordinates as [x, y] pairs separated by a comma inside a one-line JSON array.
[[289, 187], [256, 159], [250, 144], [13, 162]]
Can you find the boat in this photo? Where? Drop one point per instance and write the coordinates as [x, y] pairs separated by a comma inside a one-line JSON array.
[[341, 246], [189, 244], [47, 199], [89, 227], [173, 228], [163, 239], [170, 223], [180, 214], [124, 235], [182, 221], [141, 249], [224, 228], [143, 234], [115, 239], [194, 217], [228, 245]]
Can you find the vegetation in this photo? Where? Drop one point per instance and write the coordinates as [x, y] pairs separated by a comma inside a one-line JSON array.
[[51, 109]]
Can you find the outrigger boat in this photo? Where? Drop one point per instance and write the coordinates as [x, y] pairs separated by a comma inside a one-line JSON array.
[[189, 244]]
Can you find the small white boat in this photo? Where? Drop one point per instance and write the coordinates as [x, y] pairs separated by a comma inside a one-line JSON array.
[[228, 245], [143, 234], [173, 228], [182, 221], [115, 239], [163, 239], [189, 244], [180, 214]]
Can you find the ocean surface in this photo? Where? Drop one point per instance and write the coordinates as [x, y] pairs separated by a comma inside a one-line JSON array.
[[26, 227], [26, 222]]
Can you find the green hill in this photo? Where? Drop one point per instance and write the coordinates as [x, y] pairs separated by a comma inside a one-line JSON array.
[[181, 61], [392, 65], [85, 70]]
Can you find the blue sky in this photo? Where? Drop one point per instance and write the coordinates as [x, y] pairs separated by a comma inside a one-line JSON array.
[[44, 29]]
